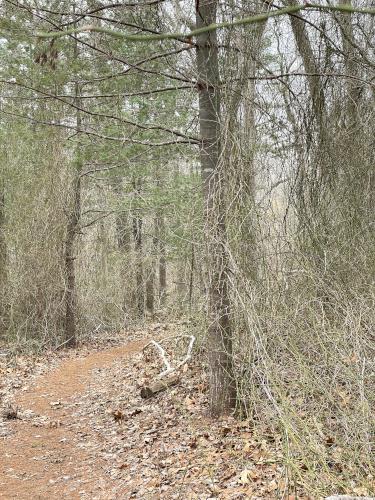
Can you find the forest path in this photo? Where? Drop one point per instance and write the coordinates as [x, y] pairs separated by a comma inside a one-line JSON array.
[[84, 432], [44, 457]]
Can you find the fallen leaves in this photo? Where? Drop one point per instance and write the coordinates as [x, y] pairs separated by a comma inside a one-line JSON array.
[[117, 415], [245, 476], [167, 447], [10, 413]]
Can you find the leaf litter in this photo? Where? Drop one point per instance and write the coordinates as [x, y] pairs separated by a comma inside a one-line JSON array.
[[117, 445]]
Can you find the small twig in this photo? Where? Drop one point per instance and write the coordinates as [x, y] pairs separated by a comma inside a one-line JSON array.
[[62, 344]]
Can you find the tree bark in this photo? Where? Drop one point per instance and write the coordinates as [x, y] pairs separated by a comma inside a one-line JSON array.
[[150, 279], [137, 234], [160, 228], [222, 387], [239, 145], [71, 292], [191, 277], [311, 66], [123, 237], [70, 328], [321, 173], [315, 182], [3, 260], [123, 231], [354, 87]]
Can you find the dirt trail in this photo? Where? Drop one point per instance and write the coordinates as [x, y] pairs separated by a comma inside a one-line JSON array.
[[45, 460], [85, 433]]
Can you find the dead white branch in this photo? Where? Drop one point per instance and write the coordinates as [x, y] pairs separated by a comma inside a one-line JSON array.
[[162, 354], [188, 353], [168, 367]]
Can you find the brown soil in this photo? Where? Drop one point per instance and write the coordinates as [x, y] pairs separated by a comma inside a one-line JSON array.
[[43, 459], [84, 432]]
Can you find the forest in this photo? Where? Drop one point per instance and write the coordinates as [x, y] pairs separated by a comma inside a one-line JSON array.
[[187, 249]]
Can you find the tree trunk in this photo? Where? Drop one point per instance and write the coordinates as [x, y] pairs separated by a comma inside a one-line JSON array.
[[123, 231], [160, 228], [314, 184], [222, 387], [137, 234], [321, 172], [150, 279], [123, 237], [305, 50], [354, 87], [191, 277], [3, 261], [71, 292], [239, 146], [70, 329]]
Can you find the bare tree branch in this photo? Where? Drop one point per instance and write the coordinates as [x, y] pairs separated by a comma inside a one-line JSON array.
[[95, 134], [177, 133]]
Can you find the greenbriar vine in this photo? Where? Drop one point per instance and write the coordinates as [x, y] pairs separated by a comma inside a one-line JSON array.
[[293, 9]]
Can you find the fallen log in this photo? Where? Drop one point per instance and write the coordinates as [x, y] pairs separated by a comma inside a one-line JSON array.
[[160, 385]]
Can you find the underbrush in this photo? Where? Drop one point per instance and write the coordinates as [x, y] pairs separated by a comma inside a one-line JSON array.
[[305, 365]]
